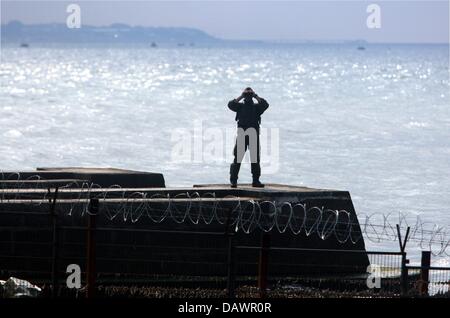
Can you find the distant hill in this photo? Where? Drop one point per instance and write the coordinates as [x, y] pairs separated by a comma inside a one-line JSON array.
[[16, 32]]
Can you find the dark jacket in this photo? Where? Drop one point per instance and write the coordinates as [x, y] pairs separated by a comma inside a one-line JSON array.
[[248, 115]]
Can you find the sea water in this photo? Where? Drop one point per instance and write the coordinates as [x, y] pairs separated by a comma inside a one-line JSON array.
[[375, 122]]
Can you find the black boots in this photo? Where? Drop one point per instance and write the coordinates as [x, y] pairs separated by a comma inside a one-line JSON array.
[[234, 171], [256, 183]]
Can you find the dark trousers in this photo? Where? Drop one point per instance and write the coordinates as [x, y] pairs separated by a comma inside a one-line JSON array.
[[250, 142]]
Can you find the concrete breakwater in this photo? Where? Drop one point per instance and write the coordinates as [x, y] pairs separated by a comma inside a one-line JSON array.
[[144, 228]]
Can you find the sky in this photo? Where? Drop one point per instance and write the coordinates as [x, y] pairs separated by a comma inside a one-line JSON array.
[[412, 21]]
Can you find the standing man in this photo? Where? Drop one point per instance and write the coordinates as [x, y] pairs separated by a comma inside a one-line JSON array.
[[248, 117]]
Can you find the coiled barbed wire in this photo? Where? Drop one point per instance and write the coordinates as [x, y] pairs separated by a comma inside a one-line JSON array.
[[243, 214]]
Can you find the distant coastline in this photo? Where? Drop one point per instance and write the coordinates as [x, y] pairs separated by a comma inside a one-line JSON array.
[[18, 34]]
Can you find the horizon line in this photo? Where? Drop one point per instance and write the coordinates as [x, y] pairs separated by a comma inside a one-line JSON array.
[[268, 41]]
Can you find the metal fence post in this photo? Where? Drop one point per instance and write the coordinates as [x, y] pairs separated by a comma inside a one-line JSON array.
[[231, 266], [424, 272], [404, 275], [55, 243], [90, 266], [263, 264], [405, 261], [231, 261]]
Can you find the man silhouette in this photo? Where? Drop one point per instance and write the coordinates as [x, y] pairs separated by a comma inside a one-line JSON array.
[[248, 117]]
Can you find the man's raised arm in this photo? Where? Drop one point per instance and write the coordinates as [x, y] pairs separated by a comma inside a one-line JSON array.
[[234, 103], [262, 104]]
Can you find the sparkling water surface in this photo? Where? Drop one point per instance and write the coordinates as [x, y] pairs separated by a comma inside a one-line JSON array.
[[375, 122]]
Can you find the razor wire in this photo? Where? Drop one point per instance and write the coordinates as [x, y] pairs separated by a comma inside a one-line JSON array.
[[246, 215]]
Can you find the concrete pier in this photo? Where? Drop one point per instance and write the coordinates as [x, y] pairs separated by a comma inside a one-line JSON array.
[[172, 246]]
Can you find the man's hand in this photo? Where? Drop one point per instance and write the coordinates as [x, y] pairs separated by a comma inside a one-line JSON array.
[[246, 92], [255, 96]]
